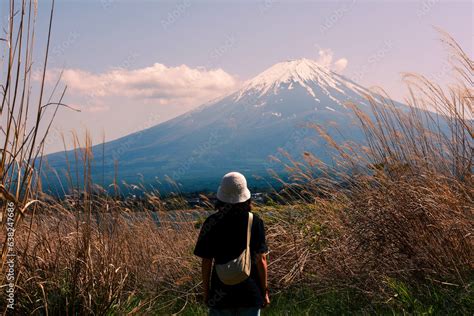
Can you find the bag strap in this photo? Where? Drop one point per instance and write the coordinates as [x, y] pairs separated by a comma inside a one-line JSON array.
[[249, 229]]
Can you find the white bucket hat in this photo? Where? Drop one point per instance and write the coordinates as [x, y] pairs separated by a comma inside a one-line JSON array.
[[233, 188]]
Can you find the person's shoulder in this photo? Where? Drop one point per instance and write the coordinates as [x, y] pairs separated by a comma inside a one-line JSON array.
[[214, 217]]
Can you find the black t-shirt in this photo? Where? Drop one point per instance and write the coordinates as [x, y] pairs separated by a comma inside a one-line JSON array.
[[223, 238]]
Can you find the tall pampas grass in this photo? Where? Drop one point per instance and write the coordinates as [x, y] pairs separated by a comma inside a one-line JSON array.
[[397, 209]]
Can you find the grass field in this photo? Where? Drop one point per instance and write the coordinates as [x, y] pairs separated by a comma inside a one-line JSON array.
[[385, 229]]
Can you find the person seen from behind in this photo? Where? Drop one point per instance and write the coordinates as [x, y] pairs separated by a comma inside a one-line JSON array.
[[233, 249]]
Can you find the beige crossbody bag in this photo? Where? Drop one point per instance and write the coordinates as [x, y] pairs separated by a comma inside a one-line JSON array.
[[237, 270]]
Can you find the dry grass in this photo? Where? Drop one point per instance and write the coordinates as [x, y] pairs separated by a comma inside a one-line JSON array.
[[91, 265], [398, 208]]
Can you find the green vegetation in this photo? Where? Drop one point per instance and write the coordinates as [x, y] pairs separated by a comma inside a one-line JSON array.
[[429, 300]]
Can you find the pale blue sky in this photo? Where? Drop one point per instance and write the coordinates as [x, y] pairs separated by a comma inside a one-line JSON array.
[[380, 40], [265, 32]]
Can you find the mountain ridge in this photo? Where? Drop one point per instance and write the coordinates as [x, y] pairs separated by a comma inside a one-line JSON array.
[[238, 131]]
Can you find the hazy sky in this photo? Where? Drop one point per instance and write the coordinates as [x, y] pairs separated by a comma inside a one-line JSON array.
[[132, 64]]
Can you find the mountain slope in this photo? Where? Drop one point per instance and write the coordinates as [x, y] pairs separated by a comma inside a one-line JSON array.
[[237, 132]]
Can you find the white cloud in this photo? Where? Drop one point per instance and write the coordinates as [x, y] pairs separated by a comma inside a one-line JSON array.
[[157, 84], [326, 57], [340, 64]]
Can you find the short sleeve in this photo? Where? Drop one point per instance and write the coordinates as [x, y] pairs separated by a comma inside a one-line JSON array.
[[203, 246], [258, 243]]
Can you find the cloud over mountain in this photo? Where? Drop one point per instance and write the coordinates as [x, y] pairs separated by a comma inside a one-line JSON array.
[[158, 83], [326, 57]]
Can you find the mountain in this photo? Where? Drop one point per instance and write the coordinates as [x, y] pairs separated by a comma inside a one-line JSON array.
[[237, 132]]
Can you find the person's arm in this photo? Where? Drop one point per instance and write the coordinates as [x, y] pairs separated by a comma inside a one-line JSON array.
[[262, 269], [206, 267]]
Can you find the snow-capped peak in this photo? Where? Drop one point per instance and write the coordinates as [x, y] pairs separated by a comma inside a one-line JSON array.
[[301, 71], [291, 70], [304, 72]]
